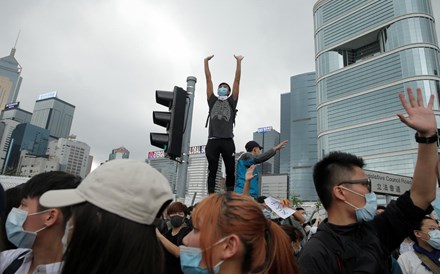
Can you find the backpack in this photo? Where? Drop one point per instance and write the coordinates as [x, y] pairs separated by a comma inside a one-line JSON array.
[[234, 114], [12, 268]]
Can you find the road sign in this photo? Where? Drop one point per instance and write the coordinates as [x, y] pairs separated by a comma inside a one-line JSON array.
[[387, 183]]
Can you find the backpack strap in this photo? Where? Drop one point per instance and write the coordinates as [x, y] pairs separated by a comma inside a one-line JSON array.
[[15, 265], [428, 263]]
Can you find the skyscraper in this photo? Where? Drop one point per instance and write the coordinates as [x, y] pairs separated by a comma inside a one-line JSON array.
[[298, 125], [267, 137], [25, 139], [10, 79], [119, 153], [53, 114], [72, 155], [197, 174], [367, 52]]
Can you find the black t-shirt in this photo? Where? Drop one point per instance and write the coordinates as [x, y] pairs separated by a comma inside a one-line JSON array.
[[370, 243], [222, 115], [172, 263]]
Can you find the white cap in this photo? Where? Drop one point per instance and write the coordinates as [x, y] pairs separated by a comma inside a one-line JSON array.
[[130, 189]]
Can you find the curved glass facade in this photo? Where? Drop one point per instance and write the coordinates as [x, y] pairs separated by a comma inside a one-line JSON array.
[[399, 34], [366, 54], [336, 24]]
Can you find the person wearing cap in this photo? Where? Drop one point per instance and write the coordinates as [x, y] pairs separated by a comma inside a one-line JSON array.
[[253, 156], [113, 214], [35, 230], [222, 111]]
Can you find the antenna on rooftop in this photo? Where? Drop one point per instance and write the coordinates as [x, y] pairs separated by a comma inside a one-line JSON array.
[[16, 41]]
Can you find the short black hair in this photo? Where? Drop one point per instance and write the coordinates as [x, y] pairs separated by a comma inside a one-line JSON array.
[[224, 83], [418, 226], [52, 180], [335, 166]]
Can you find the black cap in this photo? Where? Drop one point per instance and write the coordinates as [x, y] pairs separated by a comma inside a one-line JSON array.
[[250, 146]]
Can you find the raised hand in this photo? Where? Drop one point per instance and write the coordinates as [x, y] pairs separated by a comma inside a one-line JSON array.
[[209, 57], [239, 57], [250, 173], [420, 118], [281, 145]]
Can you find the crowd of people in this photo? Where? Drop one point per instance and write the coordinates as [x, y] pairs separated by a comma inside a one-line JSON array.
[[121, 218]]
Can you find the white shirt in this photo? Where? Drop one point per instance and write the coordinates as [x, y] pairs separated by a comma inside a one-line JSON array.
[[411, 264], [8, 256]]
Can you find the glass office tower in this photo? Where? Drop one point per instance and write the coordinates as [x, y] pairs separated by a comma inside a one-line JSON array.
[[367, 51]]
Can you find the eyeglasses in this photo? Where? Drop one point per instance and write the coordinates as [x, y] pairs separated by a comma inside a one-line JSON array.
[[365, 182]]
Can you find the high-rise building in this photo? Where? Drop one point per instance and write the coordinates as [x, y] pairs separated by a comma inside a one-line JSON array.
[[10, 79], [119, 153], [72, 155], [267, 137], [197, 175], [167, 167], [366, 53], [298, 125], [31, 165], [53, 114], [10, 117], [25, 139], [12, 111]]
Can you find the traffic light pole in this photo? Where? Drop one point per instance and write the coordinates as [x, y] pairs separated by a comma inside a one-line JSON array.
[[183, 166]]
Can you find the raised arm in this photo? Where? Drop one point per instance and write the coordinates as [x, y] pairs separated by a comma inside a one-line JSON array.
[[422, 119], [270, 153], [236, 85], [209, 86], [248, 178], [168, 245]]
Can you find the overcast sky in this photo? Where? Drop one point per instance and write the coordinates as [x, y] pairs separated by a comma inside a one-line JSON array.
[[107, 57]]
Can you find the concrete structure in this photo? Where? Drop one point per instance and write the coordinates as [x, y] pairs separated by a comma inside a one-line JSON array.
[[119, 153], [367, 52], [298, 125], [275, 185], [72, 155], [53, 114], [31, 165], [10, 79], [197, 175], [13, 112]]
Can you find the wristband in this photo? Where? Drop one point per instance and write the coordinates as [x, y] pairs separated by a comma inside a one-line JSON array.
[[427, 140]]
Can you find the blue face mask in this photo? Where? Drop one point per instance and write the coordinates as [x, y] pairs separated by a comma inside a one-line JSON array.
[[222, 91], [190, 258], [14, 228], [367, 212], [434, 239]]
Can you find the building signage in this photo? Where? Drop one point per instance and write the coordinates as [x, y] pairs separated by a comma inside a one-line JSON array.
[[386, 183], [264, 129], [161, 154], [12, 105], [47, 95]]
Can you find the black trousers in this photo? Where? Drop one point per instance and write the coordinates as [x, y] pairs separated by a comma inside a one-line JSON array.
[[226, 148]]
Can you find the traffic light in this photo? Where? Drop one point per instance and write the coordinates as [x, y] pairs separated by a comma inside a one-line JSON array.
[[173, 120]]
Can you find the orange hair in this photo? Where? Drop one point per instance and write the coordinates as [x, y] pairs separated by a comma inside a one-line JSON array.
[[267, 247]]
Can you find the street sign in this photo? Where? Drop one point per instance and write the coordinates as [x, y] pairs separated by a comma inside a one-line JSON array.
[[387, 183]]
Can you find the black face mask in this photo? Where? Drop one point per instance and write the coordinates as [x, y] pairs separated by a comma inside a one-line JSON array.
[[176, 221]]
